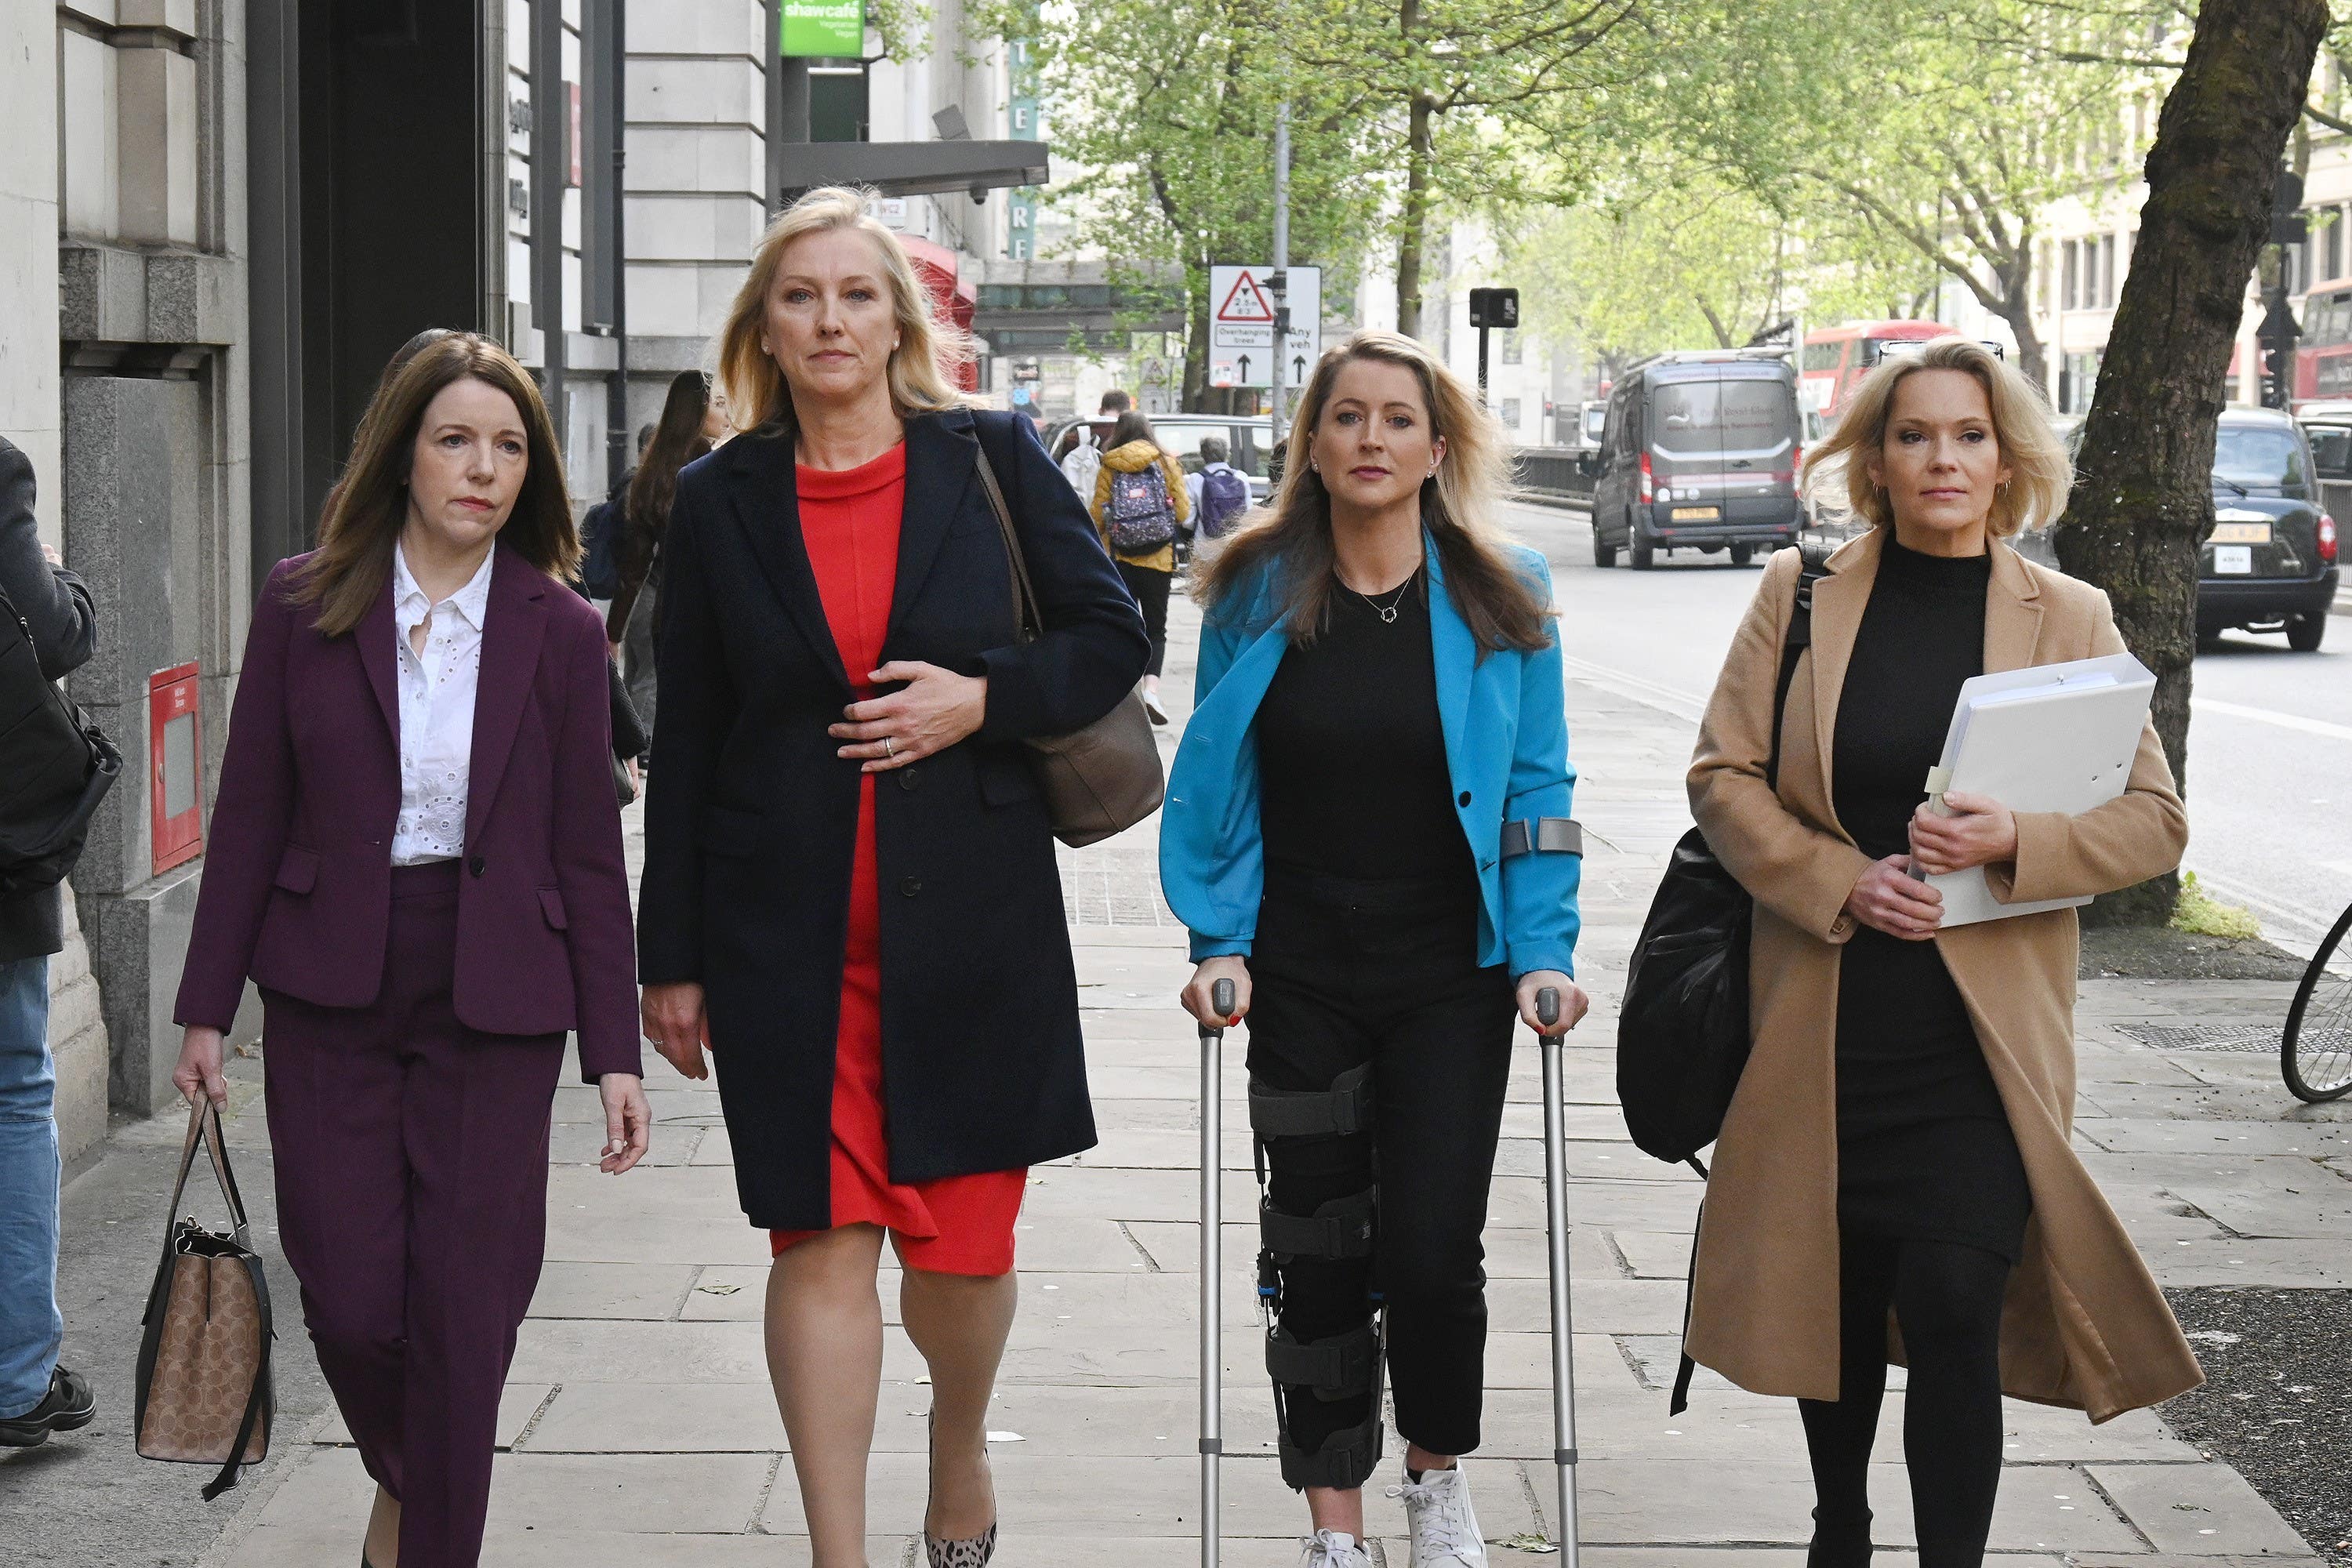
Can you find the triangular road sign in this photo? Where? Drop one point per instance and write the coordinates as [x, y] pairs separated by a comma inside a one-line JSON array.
[[1246, 302]]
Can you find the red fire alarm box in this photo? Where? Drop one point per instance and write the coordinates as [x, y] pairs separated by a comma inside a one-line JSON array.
[[176, 750]]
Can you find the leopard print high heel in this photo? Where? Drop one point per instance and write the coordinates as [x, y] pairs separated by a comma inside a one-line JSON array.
[[970, 1552]]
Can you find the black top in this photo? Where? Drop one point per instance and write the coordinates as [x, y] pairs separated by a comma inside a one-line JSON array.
[[1351, 755], [1924, 1146]]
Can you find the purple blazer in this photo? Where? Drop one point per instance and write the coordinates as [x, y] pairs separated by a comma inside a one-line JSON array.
[[298, 874]]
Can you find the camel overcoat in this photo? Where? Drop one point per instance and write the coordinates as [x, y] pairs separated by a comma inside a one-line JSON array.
[[2084, 1325]]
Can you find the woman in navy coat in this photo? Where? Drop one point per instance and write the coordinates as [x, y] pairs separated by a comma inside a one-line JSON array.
[[850, 891]]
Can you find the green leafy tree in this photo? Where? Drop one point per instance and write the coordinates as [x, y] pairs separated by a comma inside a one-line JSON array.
[[1168, 111]]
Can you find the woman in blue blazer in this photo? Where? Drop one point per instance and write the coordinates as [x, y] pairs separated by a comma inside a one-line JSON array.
[[1366, 831]]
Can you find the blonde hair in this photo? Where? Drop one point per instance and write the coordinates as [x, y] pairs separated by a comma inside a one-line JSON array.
[[922, 367], [1459, 506], [2040, 472]]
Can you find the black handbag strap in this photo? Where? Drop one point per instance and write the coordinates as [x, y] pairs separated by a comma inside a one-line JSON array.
[[1793, 643], [1028, 626], [1799, 637], [258, 1397]]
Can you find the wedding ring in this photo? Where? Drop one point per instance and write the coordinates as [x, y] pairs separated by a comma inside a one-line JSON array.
[[889, 748]]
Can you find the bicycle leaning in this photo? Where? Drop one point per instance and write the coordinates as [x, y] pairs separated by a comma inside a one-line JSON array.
[[2315, 1046]]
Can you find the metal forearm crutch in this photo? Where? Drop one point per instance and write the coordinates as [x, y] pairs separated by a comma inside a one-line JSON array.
[[1212, 1442], [1563, 1361]]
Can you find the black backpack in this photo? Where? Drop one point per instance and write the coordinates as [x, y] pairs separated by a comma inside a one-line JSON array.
[[600, 540], [1682, 1033], [56, 765]]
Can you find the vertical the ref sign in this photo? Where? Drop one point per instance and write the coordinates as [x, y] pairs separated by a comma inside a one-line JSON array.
[[175, 749]]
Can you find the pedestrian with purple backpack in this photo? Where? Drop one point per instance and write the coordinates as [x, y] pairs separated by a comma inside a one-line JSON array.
[[1140, 505]]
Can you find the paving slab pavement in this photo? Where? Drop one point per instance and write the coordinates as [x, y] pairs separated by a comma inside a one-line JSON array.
[[639, 1427]]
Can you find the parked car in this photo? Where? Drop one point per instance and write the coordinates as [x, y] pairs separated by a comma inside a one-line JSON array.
[[2269, 564], [1248, 440], [1698, 451]]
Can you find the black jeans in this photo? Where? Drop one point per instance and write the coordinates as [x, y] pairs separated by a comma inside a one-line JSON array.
[[1346, 974], [1148, 586], [1946, 1299]]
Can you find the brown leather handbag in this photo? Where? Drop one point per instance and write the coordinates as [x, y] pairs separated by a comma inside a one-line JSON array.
[[205, 1394], [1102, 779]]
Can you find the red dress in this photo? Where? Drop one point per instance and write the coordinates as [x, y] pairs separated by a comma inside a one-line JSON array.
[[956, 1224]]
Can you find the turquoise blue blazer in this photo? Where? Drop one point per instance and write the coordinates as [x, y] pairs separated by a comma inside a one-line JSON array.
[[1506, 726]]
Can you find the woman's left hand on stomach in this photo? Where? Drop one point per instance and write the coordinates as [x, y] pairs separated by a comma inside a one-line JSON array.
[[932, 711], [1573, 1001], [1980, 832]]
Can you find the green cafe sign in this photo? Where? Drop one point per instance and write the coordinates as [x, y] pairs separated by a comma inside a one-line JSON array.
[[826, 29]]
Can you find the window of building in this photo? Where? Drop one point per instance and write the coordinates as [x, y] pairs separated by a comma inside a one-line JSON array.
[[1511, 349], [2107, 270], [2071, 295], [2331, 242], [2045, 279], [1510, 409]]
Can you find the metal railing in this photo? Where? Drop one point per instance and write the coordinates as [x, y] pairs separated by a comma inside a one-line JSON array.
[[1551, 473]]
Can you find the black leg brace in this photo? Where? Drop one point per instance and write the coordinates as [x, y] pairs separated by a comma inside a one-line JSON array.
[[1346, 1366]]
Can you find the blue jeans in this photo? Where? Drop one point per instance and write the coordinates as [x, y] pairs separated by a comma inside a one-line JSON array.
[[31, 1328]]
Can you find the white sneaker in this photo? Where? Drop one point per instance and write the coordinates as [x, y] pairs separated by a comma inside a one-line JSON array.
[[1334, 1549], [1443, 1526]]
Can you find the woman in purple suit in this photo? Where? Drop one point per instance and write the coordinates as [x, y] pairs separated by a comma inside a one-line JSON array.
[[415, 854]]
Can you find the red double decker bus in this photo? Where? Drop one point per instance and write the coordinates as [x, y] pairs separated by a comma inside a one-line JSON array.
[[1835, 358], [2323, 357]]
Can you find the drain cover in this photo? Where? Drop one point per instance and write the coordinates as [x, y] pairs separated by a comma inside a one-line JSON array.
[[2261, 1038]]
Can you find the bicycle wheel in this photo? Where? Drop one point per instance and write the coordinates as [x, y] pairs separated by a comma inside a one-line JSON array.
[[2315, 1050]]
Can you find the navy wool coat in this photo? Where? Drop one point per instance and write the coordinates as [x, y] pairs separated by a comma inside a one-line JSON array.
[[750, 816]]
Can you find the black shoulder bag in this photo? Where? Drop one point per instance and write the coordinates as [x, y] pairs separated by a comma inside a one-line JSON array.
[[56, 765], [1682, 1035]]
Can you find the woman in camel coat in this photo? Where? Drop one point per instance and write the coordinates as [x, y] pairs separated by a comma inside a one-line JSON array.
[[2075, 1319]]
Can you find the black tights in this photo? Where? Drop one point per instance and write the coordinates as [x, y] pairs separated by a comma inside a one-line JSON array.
[[1946, 1298]]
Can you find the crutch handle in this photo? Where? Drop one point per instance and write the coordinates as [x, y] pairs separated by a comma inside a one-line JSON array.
[[1548, 1008], [1221, 1003]]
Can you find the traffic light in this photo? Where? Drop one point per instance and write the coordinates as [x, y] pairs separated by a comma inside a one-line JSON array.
[[2288, 226], [1496, 308]]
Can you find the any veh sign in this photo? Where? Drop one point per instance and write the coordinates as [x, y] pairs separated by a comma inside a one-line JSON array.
[[1241, 325]]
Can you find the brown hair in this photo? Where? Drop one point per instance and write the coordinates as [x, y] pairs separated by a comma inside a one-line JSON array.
[[2040, 472], [677, 441], [1132, 425], [365, 515], [922, 370], [1293, 536]]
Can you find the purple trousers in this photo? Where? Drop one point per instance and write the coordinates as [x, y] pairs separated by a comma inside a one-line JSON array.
[[410, 1158]]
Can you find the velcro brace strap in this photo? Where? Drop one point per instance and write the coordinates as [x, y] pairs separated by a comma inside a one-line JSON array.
[[1345, 1459], [1543, 836], [1339, 1367], [1346, 1107], [1338, 1229]]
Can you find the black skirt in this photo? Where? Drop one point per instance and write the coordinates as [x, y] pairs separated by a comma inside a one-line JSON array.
[[1925, 1148]]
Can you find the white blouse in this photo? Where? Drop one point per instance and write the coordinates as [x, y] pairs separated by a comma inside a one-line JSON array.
[[436, 712]]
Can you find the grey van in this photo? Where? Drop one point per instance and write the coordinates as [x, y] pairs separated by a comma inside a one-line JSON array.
[[1698, 451]]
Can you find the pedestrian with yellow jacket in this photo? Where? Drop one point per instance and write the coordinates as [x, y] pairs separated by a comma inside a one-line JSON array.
[[1895, 1180], [1139, 504]]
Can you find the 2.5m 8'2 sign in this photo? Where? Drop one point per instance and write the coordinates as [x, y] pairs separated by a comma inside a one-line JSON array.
[[824, 29]]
